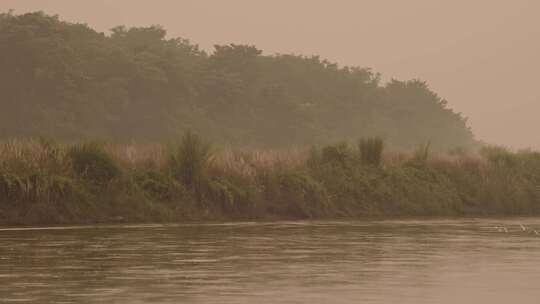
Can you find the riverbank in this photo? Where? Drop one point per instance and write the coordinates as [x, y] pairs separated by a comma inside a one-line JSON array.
[[42, 182]]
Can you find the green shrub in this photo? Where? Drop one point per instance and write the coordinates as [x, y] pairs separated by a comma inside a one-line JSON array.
[[92, 162], [302, 196], [231, 197], [159, 186], [371, 150], [11, 187], [189, 161], [339, 154], [499, 156]]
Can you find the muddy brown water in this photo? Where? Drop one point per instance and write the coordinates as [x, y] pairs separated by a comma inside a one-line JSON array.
[[427, 261]]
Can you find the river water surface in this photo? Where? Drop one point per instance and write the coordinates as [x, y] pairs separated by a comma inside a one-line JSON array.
[[435, 261]]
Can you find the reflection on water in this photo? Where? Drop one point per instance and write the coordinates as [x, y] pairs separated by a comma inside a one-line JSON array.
[[469, 261]]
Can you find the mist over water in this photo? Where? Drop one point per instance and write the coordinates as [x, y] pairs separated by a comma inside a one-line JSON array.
[[429, 261]]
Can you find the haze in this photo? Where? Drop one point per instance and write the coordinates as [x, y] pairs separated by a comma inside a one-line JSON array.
[[481, 55]]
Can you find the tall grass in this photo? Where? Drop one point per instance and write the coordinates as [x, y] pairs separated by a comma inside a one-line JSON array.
[[422, 153], [371, 150], [46, 182], [189, 160]]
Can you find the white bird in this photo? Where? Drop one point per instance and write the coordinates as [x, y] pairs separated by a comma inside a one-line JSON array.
[[523, 227], [502, 229]]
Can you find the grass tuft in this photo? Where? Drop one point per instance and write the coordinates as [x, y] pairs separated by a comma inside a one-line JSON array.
[[371, 150]]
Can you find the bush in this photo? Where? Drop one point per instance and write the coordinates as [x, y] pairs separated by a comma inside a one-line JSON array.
[[337, 154], [231, 196], [499, 156], [302, 196], [189, 161], [371, 151], [92, 162], [159, 186]]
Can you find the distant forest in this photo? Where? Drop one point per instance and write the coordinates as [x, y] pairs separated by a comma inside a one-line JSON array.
[[67, 81]]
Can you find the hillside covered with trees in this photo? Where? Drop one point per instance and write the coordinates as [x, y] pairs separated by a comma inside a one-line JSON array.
[[69, 82]]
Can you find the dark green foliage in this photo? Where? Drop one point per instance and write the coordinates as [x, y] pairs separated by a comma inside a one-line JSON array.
[[371, 150], [414, 191], [499, 156], [159, 186], [189, 160], [340, 154], [300, 196], [46, 183], [91, 161], [70, 82], [230, 197]]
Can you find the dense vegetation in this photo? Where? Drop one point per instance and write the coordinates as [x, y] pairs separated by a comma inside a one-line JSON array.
[[67, 81], [42, 182]]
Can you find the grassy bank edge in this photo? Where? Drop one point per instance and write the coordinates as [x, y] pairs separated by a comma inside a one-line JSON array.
[[44, 182]]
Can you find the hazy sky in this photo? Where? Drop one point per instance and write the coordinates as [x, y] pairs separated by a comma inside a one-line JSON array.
[[481, 55]]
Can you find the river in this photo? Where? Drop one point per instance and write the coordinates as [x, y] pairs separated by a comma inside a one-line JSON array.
[[409, 261]]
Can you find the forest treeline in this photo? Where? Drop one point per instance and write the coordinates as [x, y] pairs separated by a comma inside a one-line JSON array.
[[67, 81]]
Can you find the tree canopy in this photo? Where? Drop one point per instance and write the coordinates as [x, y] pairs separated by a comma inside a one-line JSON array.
[[68, 81]]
